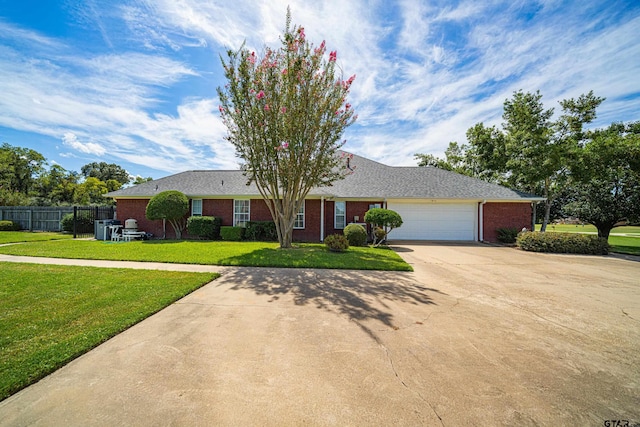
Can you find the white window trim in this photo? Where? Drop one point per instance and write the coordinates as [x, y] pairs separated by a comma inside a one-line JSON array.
[[335, 216], [241, 213], [193, 212], [301, 211]]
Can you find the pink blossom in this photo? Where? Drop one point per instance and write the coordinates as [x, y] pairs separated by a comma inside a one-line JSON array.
[[260, 95], [332, 56], [301, 33], [285, 145], [252, 58], [347, 106], [283, 110], [266, 107], [284, 72], [220, 108]]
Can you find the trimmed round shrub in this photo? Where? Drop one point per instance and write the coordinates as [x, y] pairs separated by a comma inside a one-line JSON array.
[[562, 243], [355, 234], [379, 233], [7, 225], [336, 243]]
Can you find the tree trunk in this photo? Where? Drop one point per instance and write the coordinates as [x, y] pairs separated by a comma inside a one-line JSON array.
[[176, 228], [285, 232], [547, 213], [604, 230]]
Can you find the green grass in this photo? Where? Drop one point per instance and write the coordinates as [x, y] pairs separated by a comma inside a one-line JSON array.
[[628, 244], [257, 254], [52, 314], [26, 236], [625, 245]]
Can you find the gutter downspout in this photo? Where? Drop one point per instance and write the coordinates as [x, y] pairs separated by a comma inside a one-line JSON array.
[[481, 220], [322, 219]]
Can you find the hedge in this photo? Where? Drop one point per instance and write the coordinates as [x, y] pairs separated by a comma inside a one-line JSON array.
[[507, 234], [262, 231], [6, 225], [205, 227], [84, 224], [232, 234], [567, 243]]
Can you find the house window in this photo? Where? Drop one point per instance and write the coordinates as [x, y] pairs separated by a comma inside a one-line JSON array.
[[299, 222], [196, 207], [340, 215], [375, 205], [240, 213]]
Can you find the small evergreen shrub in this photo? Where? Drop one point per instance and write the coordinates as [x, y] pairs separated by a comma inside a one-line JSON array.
[[337, 243], [507, 234], [7, 225], [262, 231], [231, 234], [84, 225], [568, 243], [355, 234], [204, 227]]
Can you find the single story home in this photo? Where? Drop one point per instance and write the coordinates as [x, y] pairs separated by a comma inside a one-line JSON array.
[[434, 204]]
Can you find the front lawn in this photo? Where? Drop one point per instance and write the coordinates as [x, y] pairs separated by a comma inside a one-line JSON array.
[[256, 254], [627, 244], [26, 236], [52, 314]]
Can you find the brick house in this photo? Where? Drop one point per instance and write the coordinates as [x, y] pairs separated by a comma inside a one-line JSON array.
[[434, 204]]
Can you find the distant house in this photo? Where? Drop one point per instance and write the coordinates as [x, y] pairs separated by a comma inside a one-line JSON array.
[[434, 204]]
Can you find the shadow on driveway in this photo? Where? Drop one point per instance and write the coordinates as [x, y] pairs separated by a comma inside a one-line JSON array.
[[359, 295]]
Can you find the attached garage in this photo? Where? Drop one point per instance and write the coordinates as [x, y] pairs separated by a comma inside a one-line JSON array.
[[435, 221]]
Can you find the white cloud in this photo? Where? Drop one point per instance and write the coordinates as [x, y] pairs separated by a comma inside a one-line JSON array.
[[70, 140]]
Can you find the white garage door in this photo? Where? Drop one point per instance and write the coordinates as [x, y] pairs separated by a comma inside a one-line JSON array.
[[435, 221]]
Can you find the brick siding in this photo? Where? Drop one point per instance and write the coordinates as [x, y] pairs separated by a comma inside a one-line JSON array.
[[505, 215]]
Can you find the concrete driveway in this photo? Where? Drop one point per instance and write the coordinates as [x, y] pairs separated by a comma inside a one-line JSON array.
[[477, 335]]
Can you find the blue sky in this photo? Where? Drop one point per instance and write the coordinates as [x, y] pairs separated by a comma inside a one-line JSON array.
[[133, 82]]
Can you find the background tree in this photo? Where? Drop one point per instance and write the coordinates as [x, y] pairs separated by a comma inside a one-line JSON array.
[[285, 112], [463, 159], [105, 171], [139, 180], [533, 153], [20, 169], [607, 178], [91, 192], [171, 206], [56, 186]]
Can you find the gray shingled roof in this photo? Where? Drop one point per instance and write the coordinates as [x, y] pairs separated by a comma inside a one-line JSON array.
[[369, 180]]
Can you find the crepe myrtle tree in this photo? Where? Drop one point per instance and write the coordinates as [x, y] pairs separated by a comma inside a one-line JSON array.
[[170, 206], [285, 111]]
